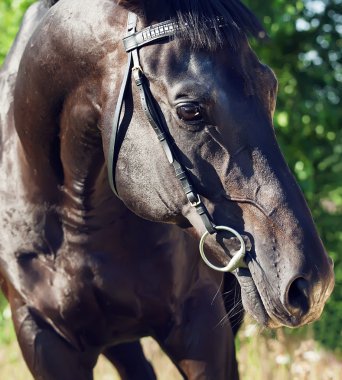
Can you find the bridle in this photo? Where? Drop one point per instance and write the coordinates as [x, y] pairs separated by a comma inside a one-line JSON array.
[[132, 42]]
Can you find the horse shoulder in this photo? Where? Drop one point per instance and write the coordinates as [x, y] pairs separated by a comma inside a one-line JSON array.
[[9, 69], [63, 59]]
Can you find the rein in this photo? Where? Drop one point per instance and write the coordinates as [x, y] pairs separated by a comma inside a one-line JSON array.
[[132, 42]]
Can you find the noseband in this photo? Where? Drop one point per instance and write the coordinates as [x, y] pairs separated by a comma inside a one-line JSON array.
[[132, 42]]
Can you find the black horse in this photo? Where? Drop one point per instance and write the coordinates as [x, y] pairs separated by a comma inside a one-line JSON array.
[[89, 272]]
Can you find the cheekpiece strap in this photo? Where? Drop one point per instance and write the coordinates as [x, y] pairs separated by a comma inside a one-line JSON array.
[[157, 123]]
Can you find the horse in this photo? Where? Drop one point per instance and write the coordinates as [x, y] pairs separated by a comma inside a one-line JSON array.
[[117, 159]]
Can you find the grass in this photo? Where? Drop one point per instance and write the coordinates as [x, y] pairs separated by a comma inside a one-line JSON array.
[[262, 356], [285, 356]]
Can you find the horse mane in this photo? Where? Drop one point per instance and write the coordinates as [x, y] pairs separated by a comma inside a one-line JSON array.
[[50, 3], [210, 23], [206, 23]]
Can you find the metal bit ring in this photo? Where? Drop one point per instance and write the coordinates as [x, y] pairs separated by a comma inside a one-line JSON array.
[[237, 259]]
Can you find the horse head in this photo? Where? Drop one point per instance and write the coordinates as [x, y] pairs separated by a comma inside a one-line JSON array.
[[216, 101]]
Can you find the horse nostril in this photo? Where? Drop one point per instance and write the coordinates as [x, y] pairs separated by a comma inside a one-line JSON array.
[[298, 300]]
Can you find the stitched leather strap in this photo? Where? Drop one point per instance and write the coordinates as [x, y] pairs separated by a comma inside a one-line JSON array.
[[150, 34]]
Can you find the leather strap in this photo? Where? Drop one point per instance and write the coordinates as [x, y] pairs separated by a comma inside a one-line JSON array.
[[113, 148], [132, 41], [150, 34], [157, 123]]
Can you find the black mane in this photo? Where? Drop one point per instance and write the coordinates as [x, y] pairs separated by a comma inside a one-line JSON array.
[[209, 23], [50, 3]]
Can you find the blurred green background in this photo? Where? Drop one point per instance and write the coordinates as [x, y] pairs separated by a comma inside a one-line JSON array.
[[305, 51]]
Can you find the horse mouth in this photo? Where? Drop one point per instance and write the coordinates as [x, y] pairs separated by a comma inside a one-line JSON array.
[[255, 304], [297, 304], [251, 299]]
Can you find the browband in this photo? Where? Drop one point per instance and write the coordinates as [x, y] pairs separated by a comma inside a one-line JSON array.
[[164, 29], [150, 34]]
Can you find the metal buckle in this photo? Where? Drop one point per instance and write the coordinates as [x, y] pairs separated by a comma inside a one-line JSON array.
[[137, 75], [137, 70], [197, 203]]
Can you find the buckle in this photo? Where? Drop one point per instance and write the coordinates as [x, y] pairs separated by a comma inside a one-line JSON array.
[[136, 70], [137, 75], [197, 202]]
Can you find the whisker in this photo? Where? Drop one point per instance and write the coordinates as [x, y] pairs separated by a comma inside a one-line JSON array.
[[237, 322], [221, 321], [227, 292], [218, 291], [236, 311]]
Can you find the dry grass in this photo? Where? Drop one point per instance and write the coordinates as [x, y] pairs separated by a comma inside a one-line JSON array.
[[284, 357], [261, 358]]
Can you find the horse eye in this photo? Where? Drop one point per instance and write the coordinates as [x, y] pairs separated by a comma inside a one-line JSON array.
[[189, 112]]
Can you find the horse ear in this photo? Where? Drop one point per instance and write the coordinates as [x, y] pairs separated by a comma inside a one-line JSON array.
[[136, 6]]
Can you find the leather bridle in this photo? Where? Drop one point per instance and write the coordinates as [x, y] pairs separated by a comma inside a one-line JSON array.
[[132, 42]]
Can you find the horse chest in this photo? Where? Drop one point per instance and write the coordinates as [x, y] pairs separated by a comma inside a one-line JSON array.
[[105, 278]]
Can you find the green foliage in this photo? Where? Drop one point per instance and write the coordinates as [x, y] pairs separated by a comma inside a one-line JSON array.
[[7, 334], [305, 53], [11, 12]]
